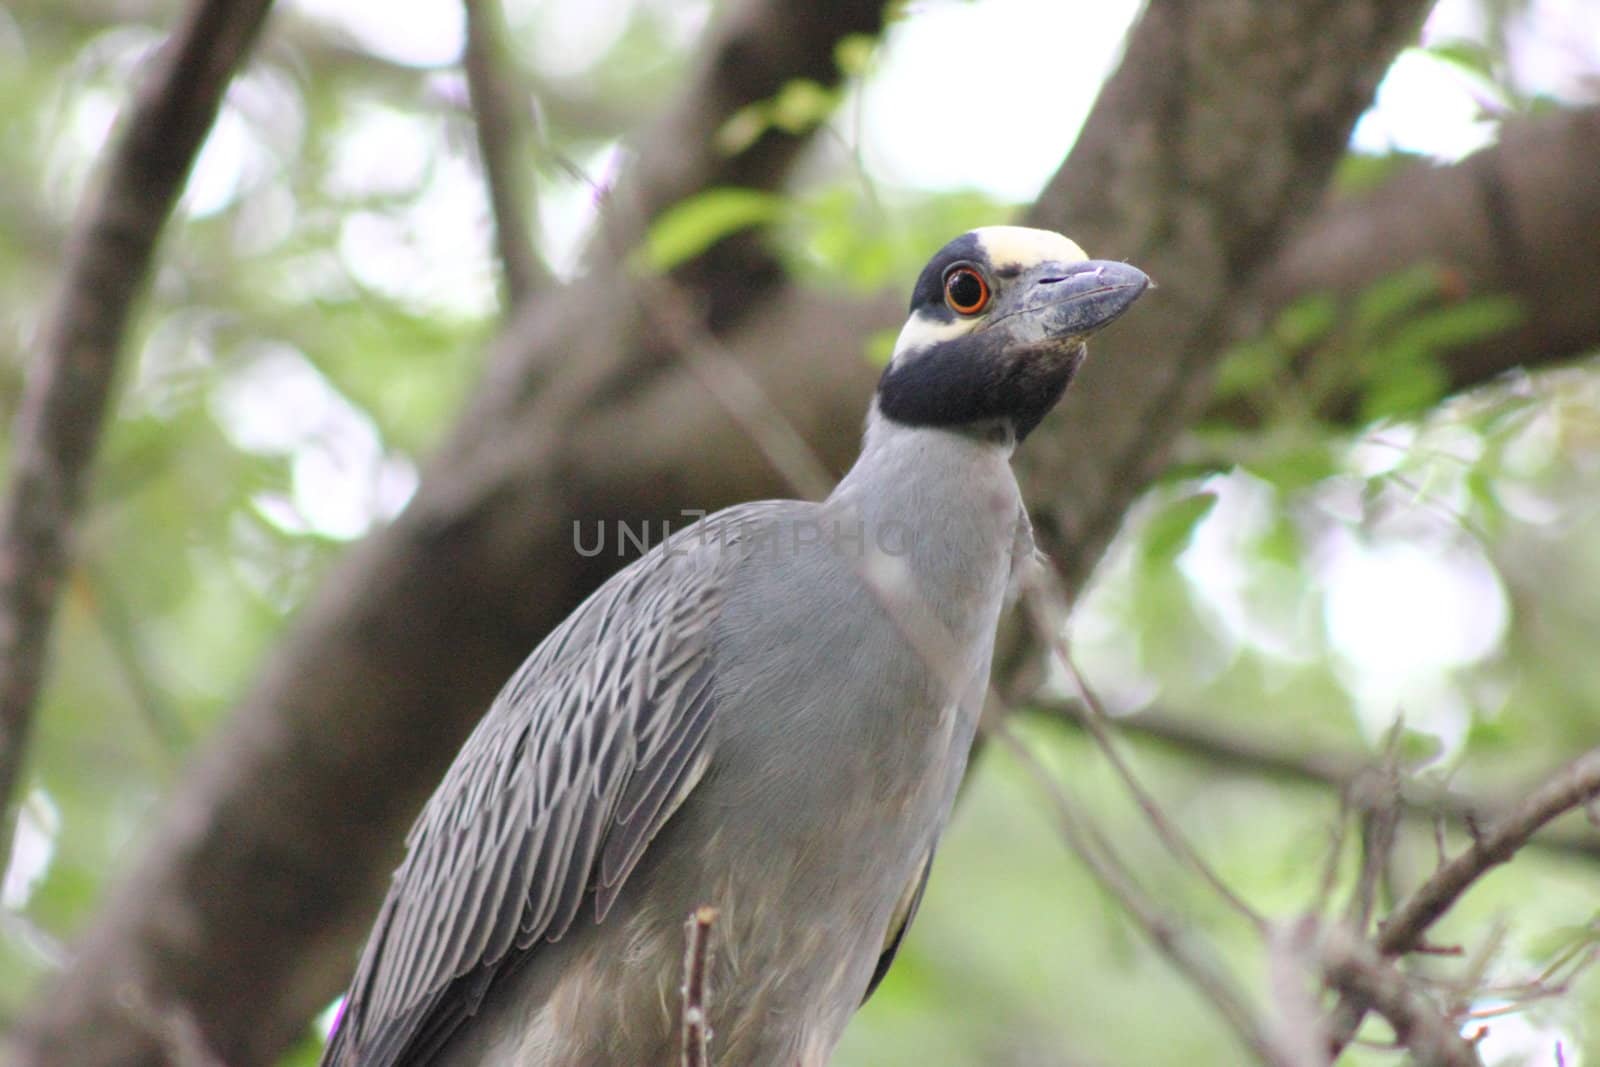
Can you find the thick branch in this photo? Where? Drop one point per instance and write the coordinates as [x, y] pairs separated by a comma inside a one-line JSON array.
[[1518, 218], [69, 379], [1211, 143]]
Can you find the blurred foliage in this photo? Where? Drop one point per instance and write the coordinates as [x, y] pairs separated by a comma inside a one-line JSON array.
[[687, 229], [321, 312], [802, 104]]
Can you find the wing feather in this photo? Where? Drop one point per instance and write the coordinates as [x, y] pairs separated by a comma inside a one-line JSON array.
[[652, 782], [582, 758], [579, 874]]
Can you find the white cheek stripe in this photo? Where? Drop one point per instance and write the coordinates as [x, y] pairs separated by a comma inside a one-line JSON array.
[[1019, 245], [920, 332]]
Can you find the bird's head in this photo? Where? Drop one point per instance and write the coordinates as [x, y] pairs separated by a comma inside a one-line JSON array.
[[997, 328]]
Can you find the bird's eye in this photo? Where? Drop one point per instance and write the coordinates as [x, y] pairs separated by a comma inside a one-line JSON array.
[[965, 291]]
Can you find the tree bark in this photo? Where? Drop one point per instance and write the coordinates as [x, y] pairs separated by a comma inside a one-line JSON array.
[[1212, 142], [1519, 218], [69, 380]]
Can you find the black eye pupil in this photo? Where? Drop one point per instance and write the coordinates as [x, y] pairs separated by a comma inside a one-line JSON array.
[[965, 289]]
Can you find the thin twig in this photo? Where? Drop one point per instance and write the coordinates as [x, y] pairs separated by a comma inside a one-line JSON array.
[[736, 390], [68, 387], [1550, 983], [1300, 1028], [1565, 791], [696, 1027], [131, 658], [1376, 795], [1166, 934], [1265, 758], [1470, 979], [1051, 635], [730, 384], [1335, 858], [1352, 966], [501, 136], [1403, 930]]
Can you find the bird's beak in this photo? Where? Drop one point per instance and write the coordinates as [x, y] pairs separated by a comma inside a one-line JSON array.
[[1056, 302]]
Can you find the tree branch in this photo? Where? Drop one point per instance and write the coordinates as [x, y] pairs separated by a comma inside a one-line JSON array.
[[1050, 630], [1352, 967], [1208, 146], [694, 1022], [1574, 787], [1516, 218], [502, 134], [69, 380], [1268, 758], [1189, 957]]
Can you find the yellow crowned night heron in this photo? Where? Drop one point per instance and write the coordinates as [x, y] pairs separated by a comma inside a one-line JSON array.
[[767, 714]]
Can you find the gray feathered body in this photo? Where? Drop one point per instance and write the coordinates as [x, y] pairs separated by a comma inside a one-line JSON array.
[[770, 714]]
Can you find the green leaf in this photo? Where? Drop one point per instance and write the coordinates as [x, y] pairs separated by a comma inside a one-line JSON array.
[[1359, 172], [1169, 531], [1405, 375], [838, 234], [1491, 735], [1282, 544], [798, 106], [1409, 386], [1295, 467], [689, 228], [1392, 297], [802, 104], [854, 53], [1474, 57], [1248, 368], [1306, 321], [742, 128], [307, 1052], [1418, 748], [1475, 319]]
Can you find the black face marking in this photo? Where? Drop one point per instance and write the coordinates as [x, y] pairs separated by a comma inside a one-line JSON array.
[[976, 379], [1003, 364]]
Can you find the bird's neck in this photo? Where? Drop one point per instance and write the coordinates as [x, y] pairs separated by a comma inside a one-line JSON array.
[[942, 503], [898, 461]]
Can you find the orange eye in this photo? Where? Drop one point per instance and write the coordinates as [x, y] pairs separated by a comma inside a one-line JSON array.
[[965, 291]]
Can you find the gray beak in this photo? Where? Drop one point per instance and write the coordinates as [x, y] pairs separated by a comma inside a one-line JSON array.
[[1069, 301]]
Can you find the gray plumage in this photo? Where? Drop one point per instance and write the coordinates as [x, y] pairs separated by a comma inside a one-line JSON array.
[[768, 714]]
